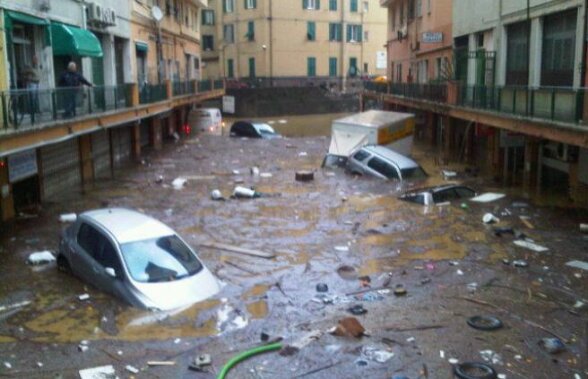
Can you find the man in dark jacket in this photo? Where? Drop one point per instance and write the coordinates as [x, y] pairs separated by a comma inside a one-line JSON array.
[[72, 81]]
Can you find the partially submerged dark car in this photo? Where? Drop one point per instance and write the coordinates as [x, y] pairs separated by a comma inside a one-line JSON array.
[[253, 129], [438, 194]]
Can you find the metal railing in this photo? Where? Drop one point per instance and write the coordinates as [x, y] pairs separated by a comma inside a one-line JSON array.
[[325, 82], [23, 109], [151, 93], [182, 88], [549, 103]]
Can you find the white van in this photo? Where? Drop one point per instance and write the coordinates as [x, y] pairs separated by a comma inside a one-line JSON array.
[[206, 120]]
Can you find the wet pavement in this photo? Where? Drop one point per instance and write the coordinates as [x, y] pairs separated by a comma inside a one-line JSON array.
[[332, 230]]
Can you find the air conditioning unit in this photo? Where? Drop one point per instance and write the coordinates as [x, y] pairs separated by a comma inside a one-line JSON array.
[[44, 5], [111, 19], [95, 13]]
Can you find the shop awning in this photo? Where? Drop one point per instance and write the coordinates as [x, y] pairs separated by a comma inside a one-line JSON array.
[[141, 46], [71, 40], [11, 16]]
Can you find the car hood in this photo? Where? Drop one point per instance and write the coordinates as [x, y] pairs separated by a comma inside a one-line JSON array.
[[178, 293]]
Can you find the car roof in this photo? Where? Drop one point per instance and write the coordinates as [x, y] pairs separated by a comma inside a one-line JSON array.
[[127, 225], [434, 189], [401, 160]]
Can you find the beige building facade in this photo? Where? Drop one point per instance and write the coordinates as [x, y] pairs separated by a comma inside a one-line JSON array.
[[293, 38]]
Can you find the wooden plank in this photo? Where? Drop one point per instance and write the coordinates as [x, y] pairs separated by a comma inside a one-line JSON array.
[[240, 250]]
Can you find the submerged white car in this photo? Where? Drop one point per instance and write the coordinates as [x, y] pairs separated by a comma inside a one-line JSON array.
[[135, 258]]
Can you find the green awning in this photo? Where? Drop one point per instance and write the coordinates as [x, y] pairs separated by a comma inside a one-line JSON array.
[[11, 16], [141, 46], [71, 40]]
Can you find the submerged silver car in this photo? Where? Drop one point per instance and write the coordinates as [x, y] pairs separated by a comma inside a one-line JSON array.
[[135, 258], [384, 163]]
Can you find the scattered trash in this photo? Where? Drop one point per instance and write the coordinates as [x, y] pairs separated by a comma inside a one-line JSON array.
[[442, 354], [464, 205], [552, 345], [236, 249], [453, 361], [7, 365], [519, 204], [466, 371], [448, 174], [132, 369], [491, 356], [68, 217], [302, 154], [584, 228], [487, 197], [245, 355], [342, 248], [306, 339], [484, 322], [236, 172], [83, 348], [525, 220], [376, 355], [410, 339], [347, 272], [530, 246], [161, 363], [498, 232], [98, 372], [254, 171], [177, 341], [357, 310], [501, 376], [361, 362], [578, 264], [40, 257], [459, 272], [265, 175], [520, 263], [400, 290], [472, 287], [40, 364], [176, 136], [179, 183], [349, 327], [200, 362], [245, 193], [159, 179], [371, 297], [216, 195], [304, 176], [83, 297], [322, 287], [579, 304], [489, 218], [365, 281]]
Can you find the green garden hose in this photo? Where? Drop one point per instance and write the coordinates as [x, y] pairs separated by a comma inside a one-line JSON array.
[[246, 354]]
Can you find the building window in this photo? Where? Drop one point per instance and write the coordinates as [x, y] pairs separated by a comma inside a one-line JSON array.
[[335, 32], [353, 70], [419, 8], [410, 12], [228, 6], [252, 67], [207, 17], [311, 31], [332, 66], [229, 33], [250, 4], [438, 68], [311, 4], [559, 48], [354, 33], [429, 6], [208, 42], [353, 6], [517, 51], [366, 6], [399, 73], [230, 68], [332, 5], [250, 31], [311, 66]]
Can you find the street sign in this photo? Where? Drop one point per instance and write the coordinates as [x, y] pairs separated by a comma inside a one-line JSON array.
[[432, 37], [381, 60], [22, 165], [229, 104]]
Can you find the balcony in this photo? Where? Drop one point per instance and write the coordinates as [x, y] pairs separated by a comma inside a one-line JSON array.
[[551, 104], [23, 110]]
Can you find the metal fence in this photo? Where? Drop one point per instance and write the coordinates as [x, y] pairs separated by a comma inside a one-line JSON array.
[[22, 109], [182, 88], [549, 103], [333, 83], [151, 93]]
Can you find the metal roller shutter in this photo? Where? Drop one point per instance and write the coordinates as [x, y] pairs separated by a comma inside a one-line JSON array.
[[101, 154], [121, 145], [61, 168]]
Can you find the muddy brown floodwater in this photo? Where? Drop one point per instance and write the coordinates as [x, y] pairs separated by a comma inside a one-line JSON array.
[[450, 263]]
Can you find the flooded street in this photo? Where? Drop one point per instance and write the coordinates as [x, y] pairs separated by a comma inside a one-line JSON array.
[[333, 230]]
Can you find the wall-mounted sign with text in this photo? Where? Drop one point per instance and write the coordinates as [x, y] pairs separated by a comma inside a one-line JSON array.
[[432, 37]]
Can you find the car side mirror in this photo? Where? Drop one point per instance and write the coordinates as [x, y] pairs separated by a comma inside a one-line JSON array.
[[110, 272]]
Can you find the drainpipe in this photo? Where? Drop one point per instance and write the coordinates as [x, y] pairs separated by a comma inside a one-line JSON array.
[[271, 40], [342, 47]]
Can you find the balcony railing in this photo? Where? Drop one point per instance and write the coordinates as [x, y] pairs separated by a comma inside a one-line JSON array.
[[562, 104], [327, 82], [152, 93], [23, 109]]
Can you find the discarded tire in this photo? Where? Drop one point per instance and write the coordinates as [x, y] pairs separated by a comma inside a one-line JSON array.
[[484, 323], [304, 176], [474, 370]]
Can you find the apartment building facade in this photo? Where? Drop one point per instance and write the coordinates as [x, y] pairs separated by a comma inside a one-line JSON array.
[[144, 71], [300, 38], [515, 103]]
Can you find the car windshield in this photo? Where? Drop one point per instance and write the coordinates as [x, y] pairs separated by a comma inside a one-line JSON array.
[[160, 259], [413, 173], [264, 129]]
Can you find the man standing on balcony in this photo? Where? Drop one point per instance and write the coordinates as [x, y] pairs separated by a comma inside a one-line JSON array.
[[71, 80], [32, 76]]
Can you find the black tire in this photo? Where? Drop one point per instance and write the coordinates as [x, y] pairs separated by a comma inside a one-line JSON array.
[[63, 264], [483, 371], [484, 322]]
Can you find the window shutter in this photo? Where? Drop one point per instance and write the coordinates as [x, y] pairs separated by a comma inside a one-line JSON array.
[[318, 4], [304, 4], [349, 31], [255, 4], [360, 34], [331, 32], [225, 6]]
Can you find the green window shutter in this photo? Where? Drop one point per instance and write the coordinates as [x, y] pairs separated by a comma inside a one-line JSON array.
[[353, 6], [318, 4], [332, 5], [250, 31], [360, 36], [245, 4], [331, 32], [332, 66], [339, 32], [304, 4], [311, 30], [311, 66], [252, 67], [255, 4], [349, 31], [225, 6], [230, 68]]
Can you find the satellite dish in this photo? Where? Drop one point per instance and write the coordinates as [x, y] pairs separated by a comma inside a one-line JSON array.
[[156, 13]]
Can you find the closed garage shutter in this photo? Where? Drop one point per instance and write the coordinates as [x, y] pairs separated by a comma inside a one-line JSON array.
[[121, 145], [61, 168], [144, 133], [101, 154]]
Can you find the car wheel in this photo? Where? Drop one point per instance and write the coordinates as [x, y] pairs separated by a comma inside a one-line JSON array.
[[63, 264], [474, 370]]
